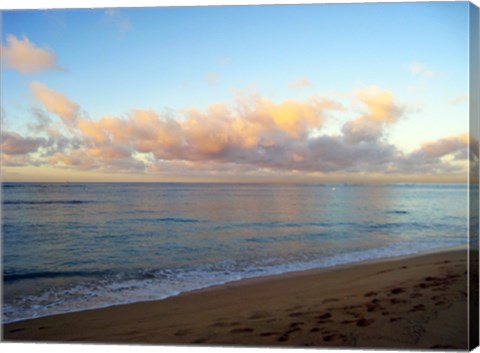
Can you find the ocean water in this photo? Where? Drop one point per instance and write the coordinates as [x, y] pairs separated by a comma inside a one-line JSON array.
[[69, 247]]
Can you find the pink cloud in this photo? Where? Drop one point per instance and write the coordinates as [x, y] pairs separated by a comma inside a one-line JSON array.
[[445, 146], [56, 103], [252, 135], [24, 57]]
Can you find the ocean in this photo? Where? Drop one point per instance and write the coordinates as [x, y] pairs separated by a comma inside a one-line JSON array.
[[71, 247]]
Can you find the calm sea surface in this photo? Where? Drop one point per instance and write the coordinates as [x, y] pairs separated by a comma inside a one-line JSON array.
[[68, 247]]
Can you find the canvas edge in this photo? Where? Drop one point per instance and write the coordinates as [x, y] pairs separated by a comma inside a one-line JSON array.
[[474, 110]]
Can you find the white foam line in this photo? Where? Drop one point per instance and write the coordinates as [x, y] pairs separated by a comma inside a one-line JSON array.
[[151, 288]]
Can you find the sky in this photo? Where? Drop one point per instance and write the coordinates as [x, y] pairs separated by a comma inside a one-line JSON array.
[[367, 93]]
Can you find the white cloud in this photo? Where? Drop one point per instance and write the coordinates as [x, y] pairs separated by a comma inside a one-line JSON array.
[[419, 69], [212, 79], [458, 100], [115, 17], [299, 84]]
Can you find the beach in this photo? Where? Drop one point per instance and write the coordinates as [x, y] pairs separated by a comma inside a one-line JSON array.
[[409, 302]]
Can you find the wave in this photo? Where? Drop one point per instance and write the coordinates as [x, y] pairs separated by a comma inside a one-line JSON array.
[[51, 274], [45, 185], [115, 288], [169, 220], [50, 202]]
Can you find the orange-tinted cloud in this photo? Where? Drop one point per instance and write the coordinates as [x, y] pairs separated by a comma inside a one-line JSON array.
[[299, 84], [253, 135], [56, 103], [445, 146], [24, 57], [381, 110]]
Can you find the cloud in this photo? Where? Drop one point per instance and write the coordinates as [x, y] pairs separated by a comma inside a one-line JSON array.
[[218, 134], [14, 144], [445, 146], [56, 103], [212, 79], [23, 56], [419, 69], [251, 136], [458, 100], [115, 17], [16, 160], [382, 110], [299, 84]]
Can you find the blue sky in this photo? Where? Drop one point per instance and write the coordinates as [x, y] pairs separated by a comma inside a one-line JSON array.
[[168, 60]]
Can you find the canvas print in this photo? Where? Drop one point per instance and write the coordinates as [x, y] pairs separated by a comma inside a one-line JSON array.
[[266, 176]]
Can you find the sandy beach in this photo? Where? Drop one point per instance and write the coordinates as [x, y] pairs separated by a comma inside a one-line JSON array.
[[413, 302]]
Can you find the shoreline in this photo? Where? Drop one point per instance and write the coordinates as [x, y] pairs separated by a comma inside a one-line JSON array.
[[260, 278], [343, 306]]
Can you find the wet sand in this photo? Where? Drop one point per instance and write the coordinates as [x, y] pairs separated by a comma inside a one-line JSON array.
[[414, 302]]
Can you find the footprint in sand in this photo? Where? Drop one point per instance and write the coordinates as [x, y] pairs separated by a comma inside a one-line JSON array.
[[267, 334], [224, 324], [373, 307], [370, 294], [330, 300], [419, 307], [384, 271], [295, 308], [292, 330], [334, 337], [242, 330], [296, 324], [324, 316], [352, 306], [355, 315], [181, 333], [200, 340], [364, 322], [295, 314], [259, 315], [322, 322], [397, 290]]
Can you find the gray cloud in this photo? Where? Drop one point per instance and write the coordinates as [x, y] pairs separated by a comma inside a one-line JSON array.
[[13, 143]]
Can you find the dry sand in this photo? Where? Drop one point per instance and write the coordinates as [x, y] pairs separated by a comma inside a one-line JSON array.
[[416, 302]]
